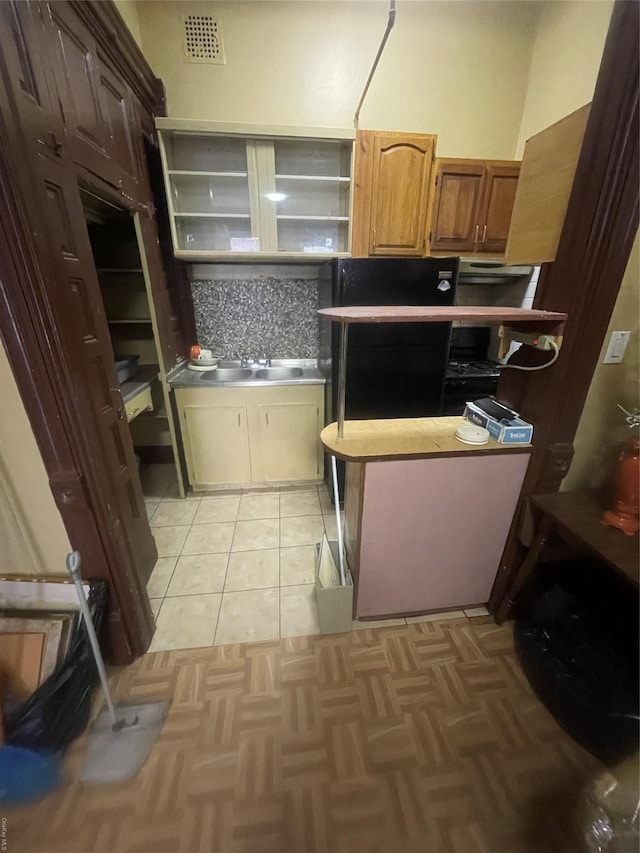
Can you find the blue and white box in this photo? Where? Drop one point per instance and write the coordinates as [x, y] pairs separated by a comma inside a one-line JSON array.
[[511, 431]]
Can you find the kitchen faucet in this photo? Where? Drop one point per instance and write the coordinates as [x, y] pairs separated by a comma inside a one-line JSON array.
[[249, 361]]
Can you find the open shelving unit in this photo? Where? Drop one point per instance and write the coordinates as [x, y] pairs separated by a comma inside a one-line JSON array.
[[129, 311]]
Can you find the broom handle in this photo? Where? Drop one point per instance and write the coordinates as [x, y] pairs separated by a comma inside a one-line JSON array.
[[336, 500], [73, 565]]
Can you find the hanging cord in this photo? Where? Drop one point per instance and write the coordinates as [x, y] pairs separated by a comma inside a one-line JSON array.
[[556, 353], [390, 23]]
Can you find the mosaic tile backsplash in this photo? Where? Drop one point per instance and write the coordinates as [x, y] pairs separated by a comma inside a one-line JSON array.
[[257, 316]]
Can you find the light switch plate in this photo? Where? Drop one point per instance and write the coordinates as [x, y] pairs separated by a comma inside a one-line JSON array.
[[617, 345]]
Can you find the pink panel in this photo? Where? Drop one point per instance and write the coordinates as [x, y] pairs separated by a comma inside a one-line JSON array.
[[433, 530]]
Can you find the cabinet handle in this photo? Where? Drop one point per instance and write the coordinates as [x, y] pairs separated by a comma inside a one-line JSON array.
[[57, 146], [374, 238], [266, 417], [475, 238], [239, 424], [484, 233]]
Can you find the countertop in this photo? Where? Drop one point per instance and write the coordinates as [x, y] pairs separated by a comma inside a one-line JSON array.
[[142, 378], [405, 438], [183, 377], [578, 516]]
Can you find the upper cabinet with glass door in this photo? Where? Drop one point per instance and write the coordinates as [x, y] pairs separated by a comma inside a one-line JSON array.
[[238, 193]]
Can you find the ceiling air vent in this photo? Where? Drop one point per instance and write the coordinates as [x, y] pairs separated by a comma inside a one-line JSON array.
[[203, 40]]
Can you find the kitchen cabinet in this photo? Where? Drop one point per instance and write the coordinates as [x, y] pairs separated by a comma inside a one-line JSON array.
[[28, 38], [78, 88], [73, 102], [548, 168], [392, 179], [251, 435], [286, 441], [216, 440], [234, 193], [472, 205]]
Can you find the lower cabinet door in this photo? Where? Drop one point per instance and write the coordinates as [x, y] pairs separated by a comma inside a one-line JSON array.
[[286, 444], [216, 443]]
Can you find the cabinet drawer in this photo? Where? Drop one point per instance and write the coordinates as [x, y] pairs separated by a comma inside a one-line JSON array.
[[140, 403]]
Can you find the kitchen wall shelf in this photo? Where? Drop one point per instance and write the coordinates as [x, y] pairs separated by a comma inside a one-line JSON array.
[[242, 192], [551, 322]]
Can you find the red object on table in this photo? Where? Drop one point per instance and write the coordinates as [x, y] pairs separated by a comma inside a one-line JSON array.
[[194, 352], [624, 515]]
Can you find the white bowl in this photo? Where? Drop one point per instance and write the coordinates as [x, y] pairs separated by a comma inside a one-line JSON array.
[[472, 434]]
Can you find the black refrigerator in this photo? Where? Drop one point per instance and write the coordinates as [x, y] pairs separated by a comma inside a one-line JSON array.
[[394, 370]]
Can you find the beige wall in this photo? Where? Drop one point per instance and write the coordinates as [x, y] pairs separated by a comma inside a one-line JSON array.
[[33, 539], [457, 69], [602, 424], [569, 41], [129, 11]]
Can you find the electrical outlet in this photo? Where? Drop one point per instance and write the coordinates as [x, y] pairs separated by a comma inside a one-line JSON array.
[[617, 345], [537, 341]]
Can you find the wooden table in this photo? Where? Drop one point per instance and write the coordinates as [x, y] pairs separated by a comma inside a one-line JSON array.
[[575, 518]]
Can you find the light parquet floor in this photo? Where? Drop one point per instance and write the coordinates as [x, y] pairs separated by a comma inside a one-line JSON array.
[[421, 738]]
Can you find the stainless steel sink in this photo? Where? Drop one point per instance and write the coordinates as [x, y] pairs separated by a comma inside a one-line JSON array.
[[275, 373], [227, 374]]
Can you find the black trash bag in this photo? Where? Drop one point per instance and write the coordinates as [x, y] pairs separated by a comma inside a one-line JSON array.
[[58, 710], [579, 652]]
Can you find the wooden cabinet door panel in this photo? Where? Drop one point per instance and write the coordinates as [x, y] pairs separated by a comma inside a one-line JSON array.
[[455, 226], [27, 37], [79, 90], [84, 328], [216, 443], [400, 188], [125, 148], [287, 442], [499, 195]]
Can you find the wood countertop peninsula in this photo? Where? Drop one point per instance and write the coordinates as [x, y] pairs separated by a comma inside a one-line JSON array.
[[551, 322], [405, 438]]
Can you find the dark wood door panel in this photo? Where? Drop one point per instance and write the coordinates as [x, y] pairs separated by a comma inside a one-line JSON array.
[[80, 95], [83, 325], [26, 39], [123, 142], [79, 89]]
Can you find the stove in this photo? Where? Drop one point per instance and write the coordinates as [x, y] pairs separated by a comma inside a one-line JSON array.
[[470, 374], [473, 369]]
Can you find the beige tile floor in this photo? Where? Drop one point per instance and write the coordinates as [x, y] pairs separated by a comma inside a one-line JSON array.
[[238, 566]]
